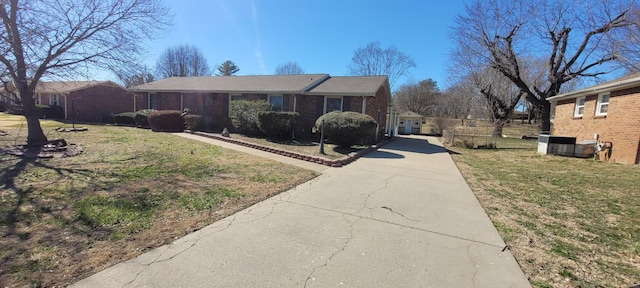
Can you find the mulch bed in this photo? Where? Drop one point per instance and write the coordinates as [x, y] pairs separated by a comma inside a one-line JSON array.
[[51, 150]]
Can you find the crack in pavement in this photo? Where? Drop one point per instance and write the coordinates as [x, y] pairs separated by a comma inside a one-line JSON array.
[[400, 214], [344, 246], [366, 200], [145, 266], [475, 265], [401, 225], [289, 193]]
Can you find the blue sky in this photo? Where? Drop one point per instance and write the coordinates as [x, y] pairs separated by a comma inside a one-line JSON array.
[[320, 36]]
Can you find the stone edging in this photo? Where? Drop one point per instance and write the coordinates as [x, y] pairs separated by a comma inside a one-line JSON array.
[[315, 159]]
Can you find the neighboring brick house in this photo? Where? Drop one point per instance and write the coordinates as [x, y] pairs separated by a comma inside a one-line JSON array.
[[91, 101], [609, 112], [311, 95]]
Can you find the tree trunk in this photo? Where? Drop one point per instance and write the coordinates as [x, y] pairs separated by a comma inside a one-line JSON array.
[[497, 128], [35, 136], [544, 123]]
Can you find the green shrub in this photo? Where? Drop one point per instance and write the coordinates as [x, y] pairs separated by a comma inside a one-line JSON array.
[[194, 122], [347, 128], [126, 118], [50, 112], [244, 115], [141, 117], [166, 121], [277, 124]]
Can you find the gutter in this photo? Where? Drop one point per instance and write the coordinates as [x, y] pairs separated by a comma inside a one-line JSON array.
[[618, 85]]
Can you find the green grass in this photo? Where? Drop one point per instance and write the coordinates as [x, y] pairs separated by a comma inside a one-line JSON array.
[[19, 123], [565, 219], [129, 191]]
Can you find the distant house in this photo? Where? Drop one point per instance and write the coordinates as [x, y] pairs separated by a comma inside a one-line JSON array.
[[311, 95], [609, 112], [91, 101], [410, 123]]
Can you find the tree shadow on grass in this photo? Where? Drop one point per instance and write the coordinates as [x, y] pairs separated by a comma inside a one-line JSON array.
[[8, 179]]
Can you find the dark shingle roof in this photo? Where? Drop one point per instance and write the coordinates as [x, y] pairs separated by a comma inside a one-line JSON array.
[[64, 87], [311, 84], [222, 84], [349, 86]]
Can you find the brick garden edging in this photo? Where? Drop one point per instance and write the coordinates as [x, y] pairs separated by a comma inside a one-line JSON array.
[[315, 159]]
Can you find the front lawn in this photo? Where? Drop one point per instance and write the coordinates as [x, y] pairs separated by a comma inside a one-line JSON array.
[[569, 222], [130, 191]]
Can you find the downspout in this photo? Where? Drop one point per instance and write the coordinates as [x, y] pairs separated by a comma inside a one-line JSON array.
[[134, 102], [181, 102], [294, 102], [148, 101], [66, 114], [364, 104]]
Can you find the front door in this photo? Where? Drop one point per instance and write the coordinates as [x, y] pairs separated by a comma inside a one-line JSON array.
[[408, 126]]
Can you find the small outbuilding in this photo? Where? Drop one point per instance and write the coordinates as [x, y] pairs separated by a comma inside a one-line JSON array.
[[410, 123]]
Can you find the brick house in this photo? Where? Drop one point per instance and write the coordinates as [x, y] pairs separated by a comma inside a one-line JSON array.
[[311, 95], [90, 100], [609, 112]]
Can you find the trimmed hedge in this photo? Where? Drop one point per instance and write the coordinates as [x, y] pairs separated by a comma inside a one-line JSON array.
[[277, 124], [244, 115], [166, 121], [50, 112], [141, 117], [126, 118], [194, 122], [347, 128]]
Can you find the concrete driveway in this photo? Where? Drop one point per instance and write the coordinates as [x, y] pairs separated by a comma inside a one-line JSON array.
[[399, 217]]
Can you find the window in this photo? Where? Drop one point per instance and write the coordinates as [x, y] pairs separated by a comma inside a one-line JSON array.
[[579, 111], [276, 102], [54, 100], [153, 101], [332, 104], [603, 104], [234, 97]]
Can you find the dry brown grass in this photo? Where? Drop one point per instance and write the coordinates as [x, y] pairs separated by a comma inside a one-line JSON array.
[[569, 222], [130, 191]]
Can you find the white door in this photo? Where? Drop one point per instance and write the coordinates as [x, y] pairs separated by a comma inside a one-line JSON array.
[[408, 125]]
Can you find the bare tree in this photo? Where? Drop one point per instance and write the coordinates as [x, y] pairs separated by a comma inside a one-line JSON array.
[[576, 39], [627, 44], [374, 60], [63, 38], [182, 61], [227, 68], [289, 68], [461, 100], [134, 75], [417, 97], [501, 96]]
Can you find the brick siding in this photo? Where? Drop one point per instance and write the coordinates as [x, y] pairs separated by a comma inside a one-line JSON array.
[[620, 126], [216, 114], [380, 102]]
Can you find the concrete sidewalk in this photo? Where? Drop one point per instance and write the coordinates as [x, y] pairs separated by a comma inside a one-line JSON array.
[[402, 216]]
